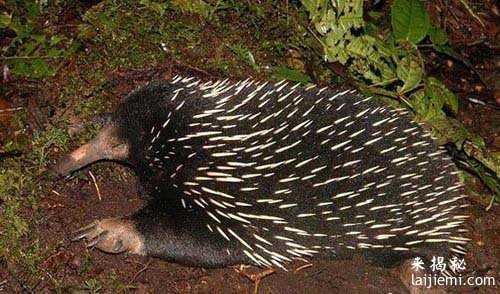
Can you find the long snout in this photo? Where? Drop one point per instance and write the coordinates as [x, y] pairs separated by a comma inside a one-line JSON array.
[[78, 159], [106, 145]]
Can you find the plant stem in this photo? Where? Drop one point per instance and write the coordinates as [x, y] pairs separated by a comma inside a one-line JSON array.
[[28, 57]]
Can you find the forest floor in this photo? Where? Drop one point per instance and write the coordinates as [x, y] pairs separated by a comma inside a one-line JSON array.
[[121, 46]]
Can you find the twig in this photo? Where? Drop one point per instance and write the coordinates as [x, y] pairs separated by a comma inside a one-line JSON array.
[[491, 203], [317, 38], [483, 156], [467, 7], [29, 57], [141, 271], [193, 68], [302, 267], [11, 109], [255, 278], [383, 83], [96, 186]]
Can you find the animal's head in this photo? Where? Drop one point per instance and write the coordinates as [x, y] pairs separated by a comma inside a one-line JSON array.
[[122, 138]]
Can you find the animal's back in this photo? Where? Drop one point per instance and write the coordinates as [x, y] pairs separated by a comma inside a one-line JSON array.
[[288, 171]]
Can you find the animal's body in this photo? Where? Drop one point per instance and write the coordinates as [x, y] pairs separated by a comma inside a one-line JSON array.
[[260, 173]]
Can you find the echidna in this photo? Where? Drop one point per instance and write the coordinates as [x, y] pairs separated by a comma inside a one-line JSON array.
[[253, 172]]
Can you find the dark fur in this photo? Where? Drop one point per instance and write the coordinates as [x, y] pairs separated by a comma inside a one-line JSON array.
[[180, 234]]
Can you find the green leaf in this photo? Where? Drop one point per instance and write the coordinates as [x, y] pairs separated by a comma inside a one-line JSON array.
[[41, 68], [410, 20], [22, 30], [439, 94], [426, 109], [39, 38], [419, 103], [311, 5], [375, 14], [410, 72], [34, 68], [194, 6], [54, 40], [5, 20], [244, 54], [155, 6], [438, 36], [447, 129], [292, 75], [28, 49], [54, 52], [32, 8], [446, 49], [20, 68]]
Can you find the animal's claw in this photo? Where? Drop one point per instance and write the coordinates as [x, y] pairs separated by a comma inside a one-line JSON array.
[[112, 236], [84, 232]]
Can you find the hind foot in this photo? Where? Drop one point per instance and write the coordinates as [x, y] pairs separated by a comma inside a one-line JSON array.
[[113, 235]]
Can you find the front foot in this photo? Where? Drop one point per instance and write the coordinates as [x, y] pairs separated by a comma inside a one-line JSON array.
[[113, 235]]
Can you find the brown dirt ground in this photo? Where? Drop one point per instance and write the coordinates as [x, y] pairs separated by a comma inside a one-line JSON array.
[[76, 204]]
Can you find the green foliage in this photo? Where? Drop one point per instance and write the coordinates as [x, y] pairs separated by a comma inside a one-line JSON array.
[[291, 74], [90, 107], [12, 227], [410, 20], [158, 7], [92, 286], [32, 51], [245, 55], [110, 27], [198, 7], [17, 190], [438, 36], [437, 92], [388, 62], [335, 21], [489, 176], [53, 138], [409, 70], [195, 6]]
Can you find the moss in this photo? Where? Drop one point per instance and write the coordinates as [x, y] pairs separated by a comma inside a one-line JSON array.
[[18, 249], [43, 142], [21, 186], [86, 264], [13, 227], [117, 285], [90, 107], [92, 286]]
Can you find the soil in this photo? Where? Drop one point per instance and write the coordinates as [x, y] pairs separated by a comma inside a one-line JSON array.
[[75, 203]]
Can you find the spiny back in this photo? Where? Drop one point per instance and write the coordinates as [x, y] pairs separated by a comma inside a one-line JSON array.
[[289, 171]]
